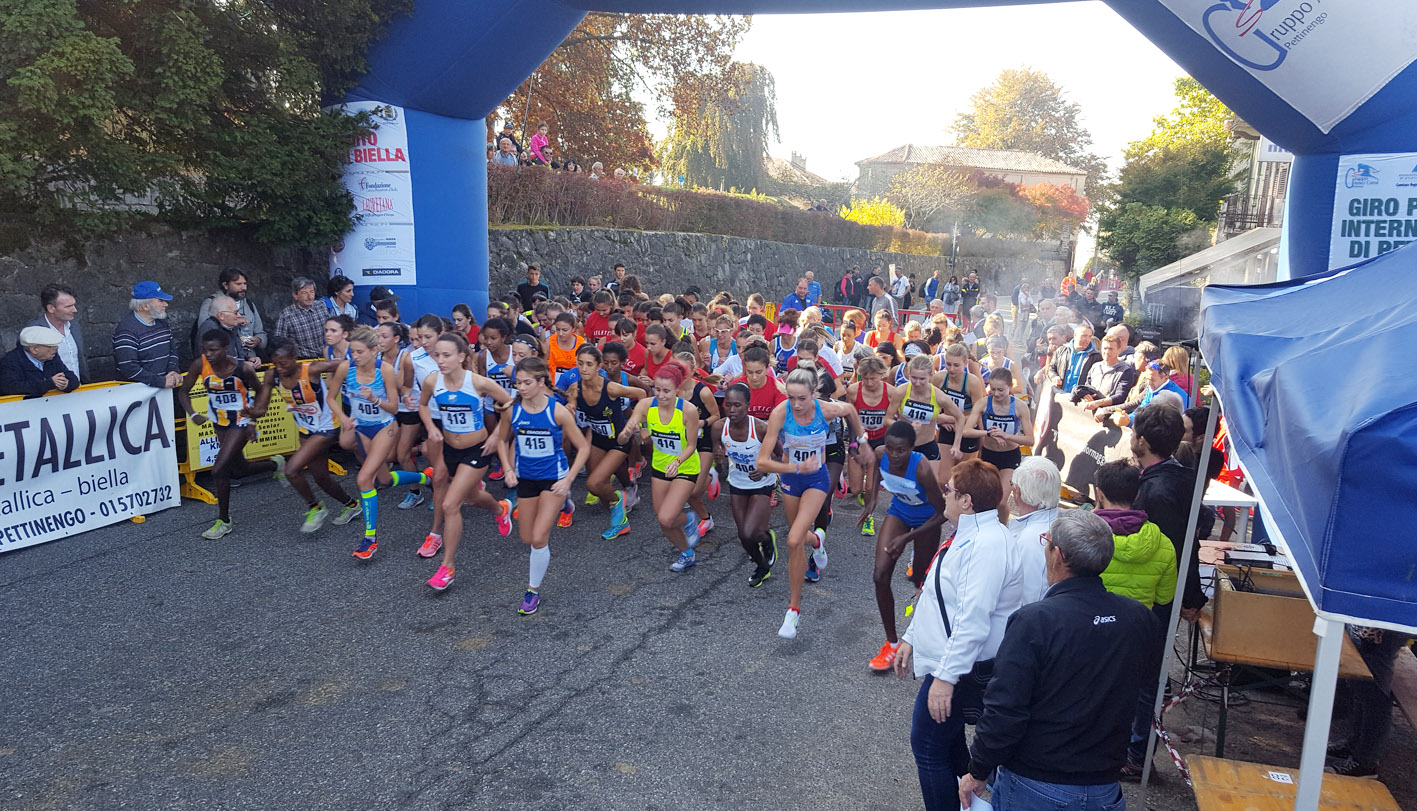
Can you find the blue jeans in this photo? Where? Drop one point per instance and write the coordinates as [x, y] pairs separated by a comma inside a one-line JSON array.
[[1014, 793], [941, 754]]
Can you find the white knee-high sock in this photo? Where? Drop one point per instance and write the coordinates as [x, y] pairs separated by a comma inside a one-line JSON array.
[[540, 559]]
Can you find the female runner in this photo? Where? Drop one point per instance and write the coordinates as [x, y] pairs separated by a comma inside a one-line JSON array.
[[424, 333], [394, 348], [601, 405], [564, 344], [966, 391], [495, 363], [800, 424], [784, 341], [538, 428], [924, 406], [671, 425], [304, 394], [998, 358], [749, 489], [1004, 425], [460, 396], [373, 396], [872, 399], [915, 516], [884, 333], [230, 409], [465, 324], [701, 396]]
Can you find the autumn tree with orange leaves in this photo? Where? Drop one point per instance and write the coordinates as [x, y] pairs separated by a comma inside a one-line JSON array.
[[585, 88]]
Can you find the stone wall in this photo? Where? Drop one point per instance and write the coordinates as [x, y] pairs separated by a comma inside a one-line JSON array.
[[669, 262], [102, 272]]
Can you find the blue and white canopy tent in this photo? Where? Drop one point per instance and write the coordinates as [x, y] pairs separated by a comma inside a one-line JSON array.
[[1332, 81]]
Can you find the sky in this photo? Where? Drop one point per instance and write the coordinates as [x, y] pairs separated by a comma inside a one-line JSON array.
[[852, 86]]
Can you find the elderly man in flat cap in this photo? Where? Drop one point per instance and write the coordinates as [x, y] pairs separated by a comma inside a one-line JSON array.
[[34, 367]]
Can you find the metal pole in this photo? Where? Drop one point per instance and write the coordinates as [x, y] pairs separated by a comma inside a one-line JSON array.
[[1183, 568], [1311, 762]]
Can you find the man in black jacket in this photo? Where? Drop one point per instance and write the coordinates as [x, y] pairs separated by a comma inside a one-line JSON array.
[[34, 367], [1058, 711], [1167, 487]]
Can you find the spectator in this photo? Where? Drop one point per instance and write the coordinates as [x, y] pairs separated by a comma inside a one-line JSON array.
[[61, 311], [593, 285], [1179, 361], [224, 318], [1143, 563], [877, 300], [507, 135], [1072, 362], [1056, 336], [1023, 307], [949, 294], [1035, 341], [142, 342], [507, 152], [339, 297], [34, 367], [814, 289], [597, 170], [1058, 710], [969, 293], [251, 333], [1126, 334], [369, 313], [618, 272], [543, 157], [533, 289], [1112, 311], [1165, 495], [1090, 308], [900, 290], [1111, 377], [303, 321], [799, 299], [846, 289], [931, 288], [958, 624], [578, 292], [540, 139], [620, 175], [1036, 486], [1047, 290], [1371, 714], [1158, 379]]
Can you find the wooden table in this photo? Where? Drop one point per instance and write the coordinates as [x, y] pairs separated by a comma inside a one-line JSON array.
[[1231, 785], [1269, 631]]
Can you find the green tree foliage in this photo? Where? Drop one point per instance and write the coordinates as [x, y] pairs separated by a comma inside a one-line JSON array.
[[720, 131], [1023, 109], [875, 211], [203, 113], [1142, 238]]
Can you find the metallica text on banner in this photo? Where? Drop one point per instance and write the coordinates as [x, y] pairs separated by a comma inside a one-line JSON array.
[[79, 461]]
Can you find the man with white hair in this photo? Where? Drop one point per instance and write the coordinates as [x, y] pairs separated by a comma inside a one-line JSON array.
[[34, 367], [143, 351], [1036, 486], [814, 288]]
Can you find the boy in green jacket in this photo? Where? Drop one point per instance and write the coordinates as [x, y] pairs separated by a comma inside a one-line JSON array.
[[1143, 563], [1143, 567]]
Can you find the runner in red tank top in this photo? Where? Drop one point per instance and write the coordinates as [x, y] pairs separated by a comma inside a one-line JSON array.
[[871, 373], [765, 391]]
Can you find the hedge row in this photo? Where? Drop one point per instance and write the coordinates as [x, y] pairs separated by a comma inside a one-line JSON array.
[[536, 196]]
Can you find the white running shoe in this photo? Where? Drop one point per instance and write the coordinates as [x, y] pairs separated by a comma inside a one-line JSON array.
[[632, 497], [819, 555], [789, 624]]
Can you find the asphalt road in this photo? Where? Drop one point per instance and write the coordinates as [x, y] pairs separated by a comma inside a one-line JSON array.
[[147, 668]]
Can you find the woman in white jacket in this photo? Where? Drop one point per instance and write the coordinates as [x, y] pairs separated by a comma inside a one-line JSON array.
[[968, 595]]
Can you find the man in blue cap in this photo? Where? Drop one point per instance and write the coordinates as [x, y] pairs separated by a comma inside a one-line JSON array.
[[143, 351]]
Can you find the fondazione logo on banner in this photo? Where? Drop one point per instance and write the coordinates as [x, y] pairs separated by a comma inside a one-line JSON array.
[[1259, 34]]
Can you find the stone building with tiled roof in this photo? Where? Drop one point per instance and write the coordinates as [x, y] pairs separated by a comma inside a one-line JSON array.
[[1012, 166]]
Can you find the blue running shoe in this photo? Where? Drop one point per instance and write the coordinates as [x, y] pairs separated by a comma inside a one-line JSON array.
[[691, 529], [684, 561], [812, 574]]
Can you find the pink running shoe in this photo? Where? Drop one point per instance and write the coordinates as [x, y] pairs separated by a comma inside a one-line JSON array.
[[504, 521], [431, 545], [441, 579], [714, 488]]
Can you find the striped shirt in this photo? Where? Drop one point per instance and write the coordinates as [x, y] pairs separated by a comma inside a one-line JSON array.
[[143, 353]]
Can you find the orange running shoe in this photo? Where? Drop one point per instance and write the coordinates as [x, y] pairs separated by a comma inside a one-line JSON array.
[[565, 519], [885, 660]]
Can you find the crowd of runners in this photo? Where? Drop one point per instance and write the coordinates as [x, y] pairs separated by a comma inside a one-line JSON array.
[[710, 401]]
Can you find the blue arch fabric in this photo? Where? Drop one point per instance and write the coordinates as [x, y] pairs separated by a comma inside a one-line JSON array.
[[1322, 414]]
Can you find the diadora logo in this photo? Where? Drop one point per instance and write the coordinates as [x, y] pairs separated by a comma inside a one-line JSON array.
[[1103, 620], [1360, 176], [1259, 33], [388, 242]]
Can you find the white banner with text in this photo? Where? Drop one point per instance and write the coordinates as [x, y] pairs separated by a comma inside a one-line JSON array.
[[379, 250], [75, 462]]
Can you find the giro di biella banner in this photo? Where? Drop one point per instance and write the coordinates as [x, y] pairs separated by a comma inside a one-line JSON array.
[[75, 462]]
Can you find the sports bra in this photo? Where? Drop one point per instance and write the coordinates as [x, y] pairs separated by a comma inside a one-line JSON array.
[[873, 416], [802, 442], [1009, 422], [606, 416], [960, 396], [917, 412]]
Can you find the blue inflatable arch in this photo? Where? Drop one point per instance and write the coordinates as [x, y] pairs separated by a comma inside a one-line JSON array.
[[1323, 78]]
